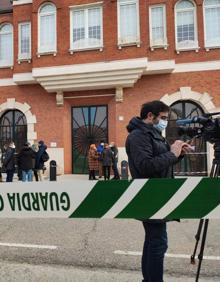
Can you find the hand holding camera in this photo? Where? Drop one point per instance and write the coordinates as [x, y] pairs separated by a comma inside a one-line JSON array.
[[180, 147]]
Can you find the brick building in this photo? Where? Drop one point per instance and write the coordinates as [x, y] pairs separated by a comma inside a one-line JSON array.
[[74, 72]]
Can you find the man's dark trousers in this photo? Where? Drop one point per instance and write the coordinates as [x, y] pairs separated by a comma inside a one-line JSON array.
[[155, 247], [115, 170], [10, 174]]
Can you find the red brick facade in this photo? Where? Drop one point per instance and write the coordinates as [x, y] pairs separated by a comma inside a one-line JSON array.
[[53, 122]]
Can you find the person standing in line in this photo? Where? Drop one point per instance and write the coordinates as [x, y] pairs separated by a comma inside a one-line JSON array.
[[9, 162], [93, 161], [25, 159], [115, 160], [39, 161], [100, 149], [150, 156], [1, 165], [106, 157], [35, 149]]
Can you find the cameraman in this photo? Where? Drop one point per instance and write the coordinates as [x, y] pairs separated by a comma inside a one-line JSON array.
[[150, 156]]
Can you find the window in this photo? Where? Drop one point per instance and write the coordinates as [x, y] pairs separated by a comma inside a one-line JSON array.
[[13, 126], [128, 22], [212, 23], [47, 29], [24, 41], [86, 28], [6, 45], [157, 18], [186, 28]]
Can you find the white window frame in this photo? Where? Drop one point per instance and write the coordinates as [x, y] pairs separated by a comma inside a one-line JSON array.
[[208, 45], [137, 41], [164, 43], [85, 7], [195, 45], [5, 64], [25, 56], [49, 49]]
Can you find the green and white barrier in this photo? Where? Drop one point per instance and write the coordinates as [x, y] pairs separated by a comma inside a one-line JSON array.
[[192, 197]]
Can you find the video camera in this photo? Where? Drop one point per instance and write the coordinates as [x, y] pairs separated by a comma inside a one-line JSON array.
[[210, 129]]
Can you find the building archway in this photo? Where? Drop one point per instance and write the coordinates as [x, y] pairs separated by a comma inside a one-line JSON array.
[[13, 127], [203, 100], [13, 107]]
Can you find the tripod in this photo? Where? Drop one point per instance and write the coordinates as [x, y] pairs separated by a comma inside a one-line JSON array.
[[215, 172]]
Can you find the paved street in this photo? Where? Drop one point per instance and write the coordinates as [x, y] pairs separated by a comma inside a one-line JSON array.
[[95, 250]]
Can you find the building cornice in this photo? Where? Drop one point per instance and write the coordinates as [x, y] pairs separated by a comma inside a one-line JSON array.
[[7, 82], [102, 75], [198, 66], [24, 78], [22, 2]]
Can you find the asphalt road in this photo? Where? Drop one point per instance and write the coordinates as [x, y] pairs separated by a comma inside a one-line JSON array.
[[97, 250]]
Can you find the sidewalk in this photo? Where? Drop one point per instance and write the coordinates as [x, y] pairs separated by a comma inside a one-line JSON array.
[[64, 177], [13, 272]]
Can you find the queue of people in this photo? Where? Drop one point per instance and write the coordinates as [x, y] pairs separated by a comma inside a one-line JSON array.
[[29, 161], [102, 159]]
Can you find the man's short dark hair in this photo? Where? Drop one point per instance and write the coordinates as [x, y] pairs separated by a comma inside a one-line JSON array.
[[154, 107]]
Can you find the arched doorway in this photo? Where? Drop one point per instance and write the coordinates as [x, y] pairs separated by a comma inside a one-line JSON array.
[[194, 163], [13, 126], [89, 125]]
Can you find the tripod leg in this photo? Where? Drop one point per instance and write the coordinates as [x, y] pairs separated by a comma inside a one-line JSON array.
[[200, 256], [197, 237], [212, 172], [217, 173]]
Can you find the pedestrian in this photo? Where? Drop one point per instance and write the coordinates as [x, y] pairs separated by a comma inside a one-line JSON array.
[[0, 165], [115, 160], [41, 157], [100, 149], [9, 162], [35, 149], [106, 157], [25, 159], [150, 156], [93, 161]]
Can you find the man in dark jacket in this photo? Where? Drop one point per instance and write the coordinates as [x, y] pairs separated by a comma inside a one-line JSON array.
[[106, 161], [26, 160], [150, 156], [39, 161], [115, 160], [9, 162]]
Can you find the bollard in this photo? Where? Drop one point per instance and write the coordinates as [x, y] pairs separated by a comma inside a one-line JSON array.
[[124, 170], [53, 170]]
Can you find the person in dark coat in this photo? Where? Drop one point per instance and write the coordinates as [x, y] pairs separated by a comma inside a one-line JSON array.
[[26, 159], [0, 165], [100, 149], [106, 158], [115, 160], [150, 156], [9, 162], [39, 162], [93, 161]]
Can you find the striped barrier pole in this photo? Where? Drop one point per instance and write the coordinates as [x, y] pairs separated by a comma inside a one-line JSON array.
[[189, 198]]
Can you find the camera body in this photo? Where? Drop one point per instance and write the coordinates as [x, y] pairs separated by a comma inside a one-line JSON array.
[[209, 130]]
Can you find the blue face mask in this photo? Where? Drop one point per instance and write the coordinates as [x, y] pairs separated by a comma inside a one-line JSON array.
[[161, 125]]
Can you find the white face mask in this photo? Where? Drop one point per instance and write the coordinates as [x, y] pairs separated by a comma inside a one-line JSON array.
[[161, 125], [102, 144]]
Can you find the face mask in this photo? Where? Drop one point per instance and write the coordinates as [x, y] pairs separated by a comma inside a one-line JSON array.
[[102, 144], [161, 125]]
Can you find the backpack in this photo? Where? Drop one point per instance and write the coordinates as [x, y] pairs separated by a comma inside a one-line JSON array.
[[45, 157]]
